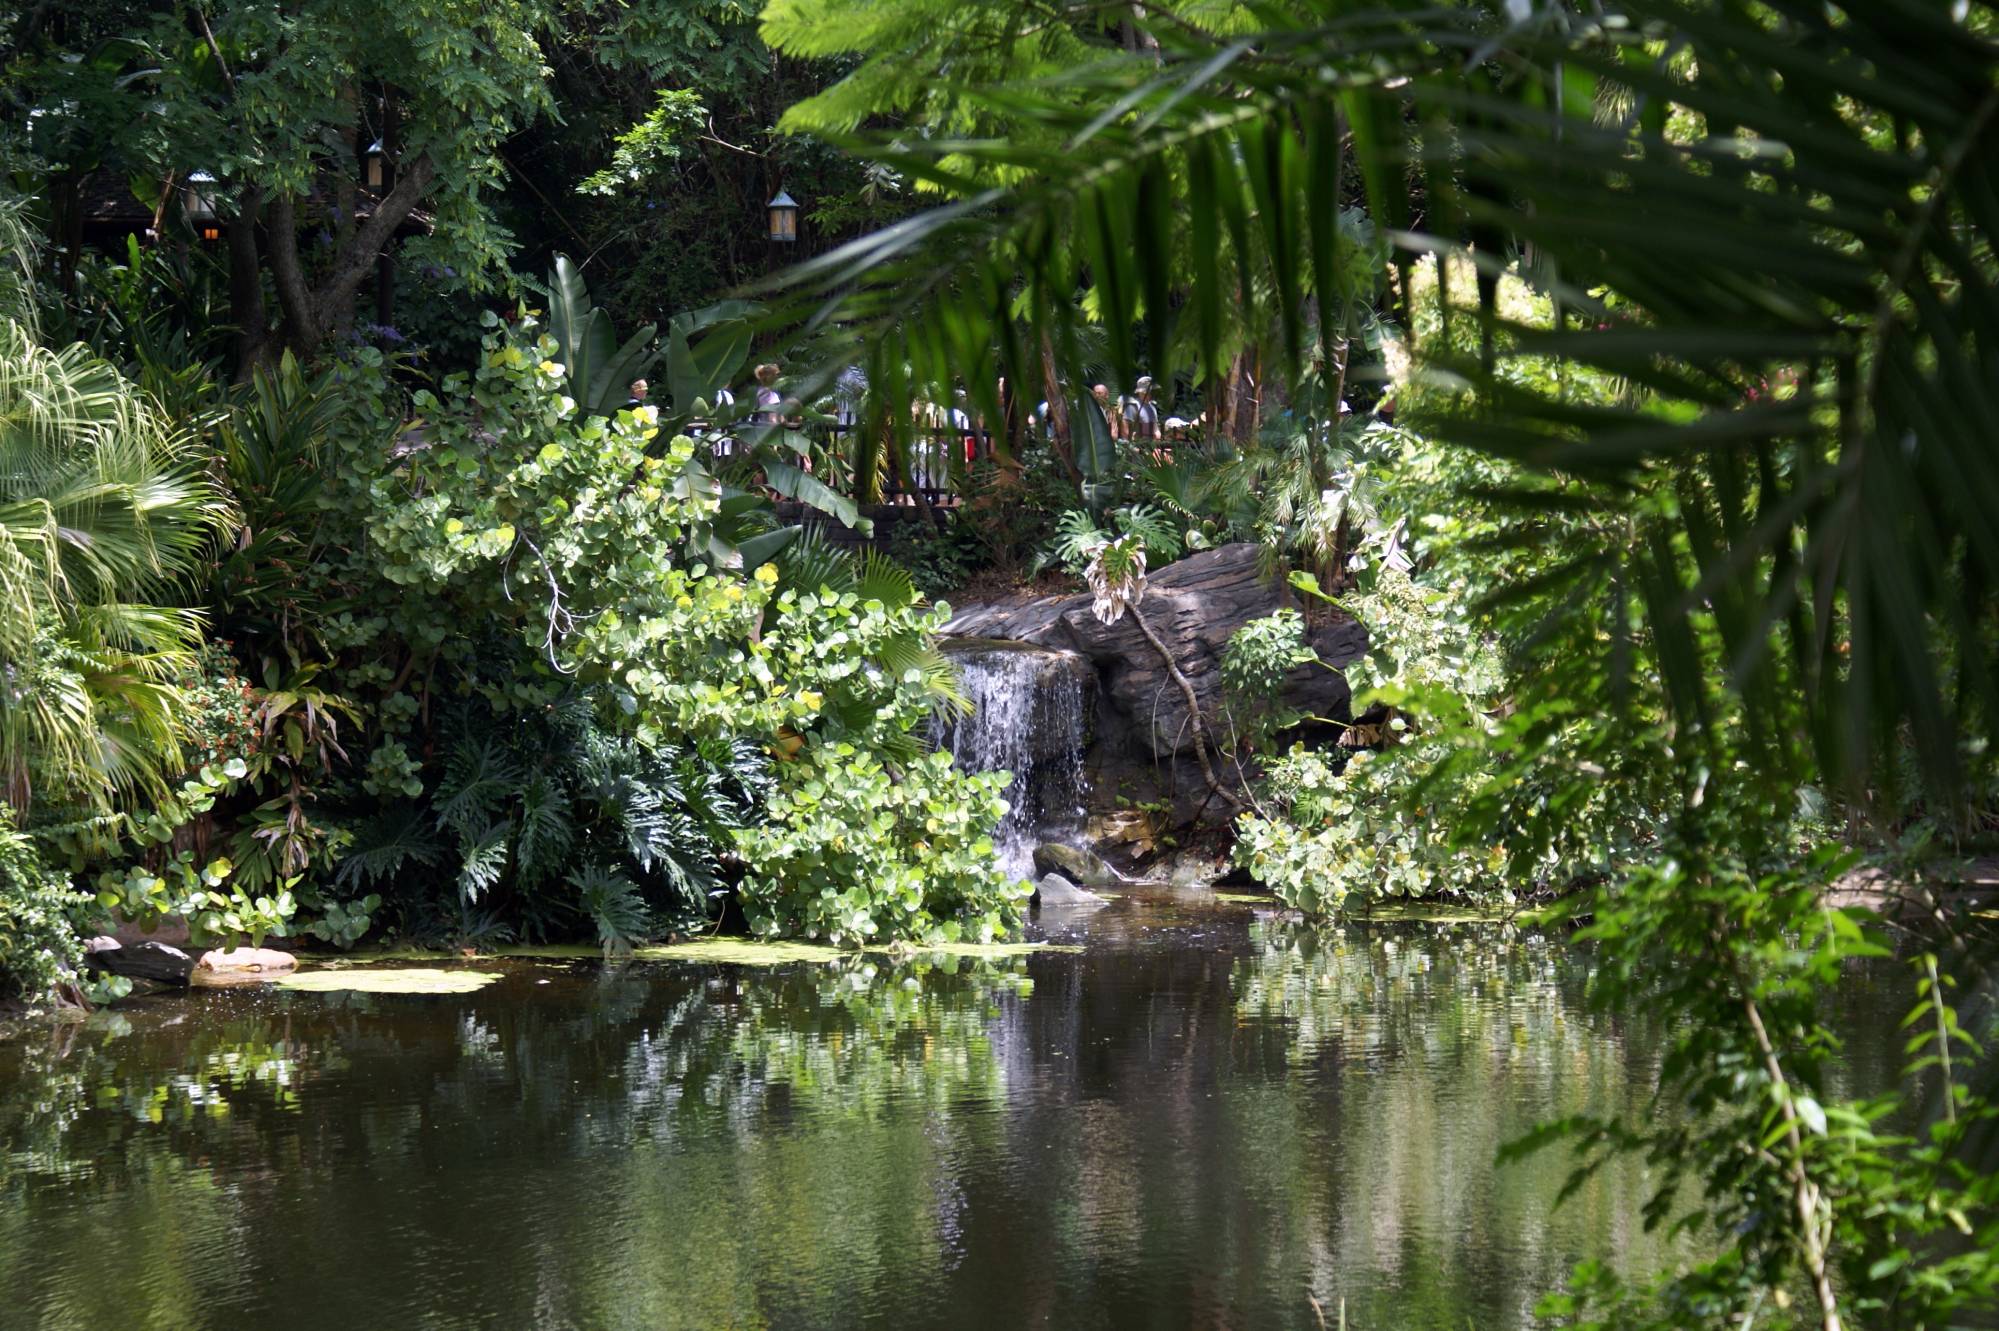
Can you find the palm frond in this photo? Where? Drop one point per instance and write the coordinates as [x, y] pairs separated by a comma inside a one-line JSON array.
[[1783, 228]]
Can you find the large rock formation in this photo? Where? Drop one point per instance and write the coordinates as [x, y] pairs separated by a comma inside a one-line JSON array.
[[1193, 605], [1141, 737]]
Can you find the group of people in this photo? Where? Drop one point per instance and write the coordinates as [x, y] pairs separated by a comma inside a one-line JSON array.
[[769, 408], [942, 430]]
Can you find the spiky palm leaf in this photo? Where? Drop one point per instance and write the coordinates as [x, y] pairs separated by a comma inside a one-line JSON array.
[[102, 509]]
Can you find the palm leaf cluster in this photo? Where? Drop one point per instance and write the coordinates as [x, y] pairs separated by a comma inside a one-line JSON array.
[[104, 511], [1774, 222]]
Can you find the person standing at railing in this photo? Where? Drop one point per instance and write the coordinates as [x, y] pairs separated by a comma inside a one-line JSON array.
[[769, 400], [1141, 413], [1113, 411]]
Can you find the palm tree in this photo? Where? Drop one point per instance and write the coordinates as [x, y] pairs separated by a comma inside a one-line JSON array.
[[102, 509], [1778, 221]]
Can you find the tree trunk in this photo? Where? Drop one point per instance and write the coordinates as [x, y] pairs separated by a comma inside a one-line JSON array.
[[311, 312], [246, 285]]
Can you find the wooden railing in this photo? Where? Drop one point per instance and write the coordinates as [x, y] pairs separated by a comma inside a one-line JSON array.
[[935, 462]]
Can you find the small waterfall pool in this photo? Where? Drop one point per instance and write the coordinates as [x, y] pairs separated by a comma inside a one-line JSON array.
[[1031, 709]]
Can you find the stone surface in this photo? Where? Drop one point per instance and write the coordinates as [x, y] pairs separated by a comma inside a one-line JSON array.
[[1081, 866], [140, 961], [1054, 892], [240, 965], [1194, 605], [1189, 866]]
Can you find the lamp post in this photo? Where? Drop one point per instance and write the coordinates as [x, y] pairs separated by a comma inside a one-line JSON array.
[[200, 204]]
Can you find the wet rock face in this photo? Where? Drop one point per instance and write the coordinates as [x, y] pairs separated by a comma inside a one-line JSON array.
[[140, 961], [1194, 606], [1070, 863], [1141, 746]]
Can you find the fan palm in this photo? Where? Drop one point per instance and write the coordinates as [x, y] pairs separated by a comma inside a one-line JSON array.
[[1776, 221], [102, 508]]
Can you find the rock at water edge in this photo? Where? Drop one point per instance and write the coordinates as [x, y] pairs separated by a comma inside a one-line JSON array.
[[1055, 891], [241, 965], [141, 961], [1079, 865]]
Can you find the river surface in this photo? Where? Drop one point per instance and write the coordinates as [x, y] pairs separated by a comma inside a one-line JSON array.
[[1202, 1117]]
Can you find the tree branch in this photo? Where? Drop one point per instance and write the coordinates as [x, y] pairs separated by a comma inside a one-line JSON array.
[[357, 258]]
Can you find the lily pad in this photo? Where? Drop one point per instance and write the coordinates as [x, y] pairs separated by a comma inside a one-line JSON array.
[[975, 951], [393, 980], [739, 951], [1425, 912], [727, 951]]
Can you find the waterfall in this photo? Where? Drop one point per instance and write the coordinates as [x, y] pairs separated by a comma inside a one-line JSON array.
[[1030, 717]]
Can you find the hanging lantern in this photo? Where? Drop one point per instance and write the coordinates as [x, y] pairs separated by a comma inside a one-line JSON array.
[[200, 205], [783, 219], [375, 166], [200, 201]]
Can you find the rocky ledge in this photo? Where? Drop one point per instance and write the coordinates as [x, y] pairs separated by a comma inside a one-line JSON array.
[[1194, 605], [1140, 750]]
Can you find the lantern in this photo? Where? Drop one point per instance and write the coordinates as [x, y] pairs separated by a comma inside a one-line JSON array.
[[783, 219], [200, 205], [375, 165], [200, 202]]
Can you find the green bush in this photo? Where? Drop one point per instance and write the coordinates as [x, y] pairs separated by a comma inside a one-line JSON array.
[[39, 947], [853, 853]]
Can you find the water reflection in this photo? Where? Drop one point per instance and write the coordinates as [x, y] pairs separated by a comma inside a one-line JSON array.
[[1195, 1121]]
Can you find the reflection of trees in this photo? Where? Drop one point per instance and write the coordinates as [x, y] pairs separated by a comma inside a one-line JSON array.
[[1186, 1125], [619, 1140], [1444, 1043]]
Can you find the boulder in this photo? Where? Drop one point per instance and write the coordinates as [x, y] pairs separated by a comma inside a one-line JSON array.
[[1080, 866], [1054, 892], [1194, 605], [240, 965], [1189, 866], [140, 961]]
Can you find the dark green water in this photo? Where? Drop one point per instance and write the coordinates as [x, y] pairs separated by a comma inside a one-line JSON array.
[[1203, 1119]]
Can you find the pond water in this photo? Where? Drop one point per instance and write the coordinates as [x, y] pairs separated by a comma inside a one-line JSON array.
[[1204, 1117]]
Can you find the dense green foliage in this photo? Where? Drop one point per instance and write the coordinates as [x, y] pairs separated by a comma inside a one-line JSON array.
[[1663, 492]]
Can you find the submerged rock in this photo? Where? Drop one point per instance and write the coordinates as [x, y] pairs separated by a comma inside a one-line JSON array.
[[1054, 891], [240, 965], [140, 961]]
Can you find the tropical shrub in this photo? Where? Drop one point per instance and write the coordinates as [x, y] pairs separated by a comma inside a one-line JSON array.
[[1258, 658], [571, 649], [548, 819], [1433, 799], [39, 948], [855, 853]]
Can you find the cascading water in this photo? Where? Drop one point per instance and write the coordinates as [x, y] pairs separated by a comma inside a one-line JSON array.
[[1030, 716]]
